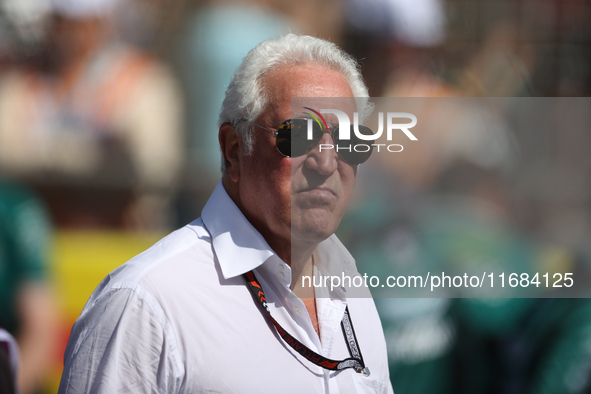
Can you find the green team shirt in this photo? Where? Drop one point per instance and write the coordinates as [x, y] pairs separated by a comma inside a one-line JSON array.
[[24, 234]]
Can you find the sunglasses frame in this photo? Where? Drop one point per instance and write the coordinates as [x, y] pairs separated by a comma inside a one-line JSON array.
[[331, 131]]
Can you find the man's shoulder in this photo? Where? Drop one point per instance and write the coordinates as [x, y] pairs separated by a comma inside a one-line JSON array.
[[186, 249]]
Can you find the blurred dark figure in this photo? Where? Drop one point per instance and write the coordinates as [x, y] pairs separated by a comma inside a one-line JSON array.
[[27, 306], [399, 42], [8, 363], [22, 26], [94, 123]]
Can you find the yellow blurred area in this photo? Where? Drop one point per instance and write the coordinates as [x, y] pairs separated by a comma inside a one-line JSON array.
[[80, 260]]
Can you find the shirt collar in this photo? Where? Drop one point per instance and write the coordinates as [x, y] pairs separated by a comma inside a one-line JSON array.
[[238, 246], [333, 259]]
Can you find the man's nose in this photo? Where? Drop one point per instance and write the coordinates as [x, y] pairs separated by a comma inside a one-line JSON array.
[[323, 157]]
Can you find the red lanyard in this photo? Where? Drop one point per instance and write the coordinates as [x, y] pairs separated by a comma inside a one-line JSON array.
[[355, 361]]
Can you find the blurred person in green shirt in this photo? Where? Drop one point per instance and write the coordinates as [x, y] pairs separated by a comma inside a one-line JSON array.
[[27, 308]]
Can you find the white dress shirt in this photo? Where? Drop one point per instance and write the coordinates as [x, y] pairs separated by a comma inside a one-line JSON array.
[[179, 318]]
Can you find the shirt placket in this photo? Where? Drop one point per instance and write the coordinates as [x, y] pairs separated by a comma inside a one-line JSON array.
[[279, 273], [330, 313]]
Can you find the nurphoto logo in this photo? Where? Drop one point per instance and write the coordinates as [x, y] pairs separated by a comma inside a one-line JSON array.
[[358, 135]]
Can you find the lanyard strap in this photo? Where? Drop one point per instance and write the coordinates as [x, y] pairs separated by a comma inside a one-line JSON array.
[[355, 361]]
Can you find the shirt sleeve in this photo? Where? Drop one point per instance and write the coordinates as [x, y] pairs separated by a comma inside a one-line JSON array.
[[120, 345]]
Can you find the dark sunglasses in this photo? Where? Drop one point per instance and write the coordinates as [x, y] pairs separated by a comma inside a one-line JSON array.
[[291, 139]]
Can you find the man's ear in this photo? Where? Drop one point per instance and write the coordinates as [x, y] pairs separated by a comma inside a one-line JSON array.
[[231, 146]]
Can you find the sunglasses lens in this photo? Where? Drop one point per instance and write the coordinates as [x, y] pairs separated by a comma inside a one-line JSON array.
[[283, 140], [292, 137], [355, 151]]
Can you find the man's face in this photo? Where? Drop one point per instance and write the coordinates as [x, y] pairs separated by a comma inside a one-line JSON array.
[[300, 199]]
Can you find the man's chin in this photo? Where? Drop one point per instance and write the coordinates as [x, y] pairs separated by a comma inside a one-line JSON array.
[[313, 226]]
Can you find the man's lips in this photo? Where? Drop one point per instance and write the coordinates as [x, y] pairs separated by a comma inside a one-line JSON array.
[[320, 192]]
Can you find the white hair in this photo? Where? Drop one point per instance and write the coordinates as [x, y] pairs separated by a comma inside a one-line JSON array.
[[245, 97]]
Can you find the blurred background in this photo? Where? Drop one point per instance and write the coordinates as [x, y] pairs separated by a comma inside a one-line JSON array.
[[108, 141]]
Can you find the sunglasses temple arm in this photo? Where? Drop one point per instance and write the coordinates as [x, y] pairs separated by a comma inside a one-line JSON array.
[[264, 128]]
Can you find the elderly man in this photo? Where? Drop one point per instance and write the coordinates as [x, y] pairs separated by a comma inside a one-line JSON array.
[[218, 306]]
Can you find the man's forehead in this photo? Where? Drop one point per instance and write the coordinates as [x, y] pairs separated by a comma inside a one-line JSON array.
[[305, 107], [314, 81]]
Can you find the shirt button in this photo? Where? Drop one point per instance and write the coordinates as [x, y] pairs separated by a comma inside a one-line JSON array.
[[298, 310]]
